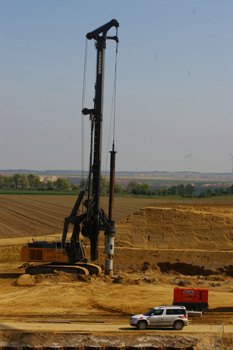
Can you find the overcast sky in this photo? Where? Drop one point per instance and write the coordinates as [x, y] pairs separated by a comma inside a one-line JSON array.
[[174, 83]]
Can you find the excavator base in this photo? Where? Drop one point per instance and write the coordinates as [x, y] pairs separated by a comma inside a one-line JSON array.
[[49, 257]]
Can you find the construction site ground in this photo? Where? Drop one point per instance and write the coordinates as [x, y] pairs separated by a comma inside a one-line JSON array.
[[159, 246]]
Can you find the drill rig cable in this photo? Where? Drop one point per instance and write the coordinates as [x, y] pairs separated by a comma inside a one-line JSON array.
[[83, 103], [113, 106], [90, 168], [114, 89]]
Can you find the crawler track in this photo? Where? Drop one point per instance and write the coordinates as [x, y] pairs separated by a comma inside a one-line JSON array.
[[78, 268]]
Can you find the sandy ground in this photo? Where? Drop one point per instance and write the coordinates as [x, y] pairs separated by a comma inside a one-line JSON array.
[[101, 306], [157, 248]]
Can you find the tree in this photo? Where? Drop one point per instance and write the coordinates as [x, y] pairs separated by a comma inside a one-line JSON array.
[[181, 189], [62, 184], [82, 183], [23, 182], [50, 186], [33, 181], [228, 190], [75, 187], [118, 188], [173, 190], [42, 186], [220, 191], [6, 182], [190, 189], [164, 192], [104, 185], [16, 181], [157, 192], [20, 181], [133, 187], [144, 188], [207, 193], [2, 181]]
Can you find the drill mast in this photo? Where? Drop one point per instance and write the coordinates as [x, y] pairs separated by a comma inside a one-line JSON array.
[[94, 219]]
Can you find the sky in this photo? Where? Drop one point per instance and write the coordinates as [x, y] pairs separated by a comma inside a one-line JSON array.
[[174, 92]]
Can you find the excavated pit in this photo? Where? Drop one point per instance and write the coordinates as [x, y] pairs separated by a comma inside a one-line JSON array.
[[87, 341], [191, 270], [180, 344]]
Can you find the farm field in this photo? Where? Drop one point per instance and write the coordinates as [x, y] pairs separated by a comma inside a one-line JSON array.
[[160, 244], [32, 215]]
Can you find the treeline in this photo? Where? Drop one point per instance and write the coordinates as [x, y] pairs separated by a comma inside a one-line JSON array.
[[222, 191], [144, 189], [179, 190], [33, 182]]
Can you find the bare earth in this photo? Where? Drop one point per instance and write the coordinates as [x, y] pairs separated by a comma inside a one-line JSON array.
[[159, 245]]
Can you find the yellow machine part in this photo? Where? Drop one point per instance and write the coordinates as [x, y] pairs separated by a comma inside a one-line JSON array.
[[31, 254]]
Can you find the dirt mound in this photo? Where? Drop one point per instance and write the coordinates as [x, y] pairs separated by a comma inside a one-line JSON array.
[[25, 280], [177, 227], [55, 278]]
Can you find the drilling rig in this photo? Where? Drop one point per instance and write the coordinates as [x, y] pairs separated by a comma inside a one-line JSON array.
[[69, 255]]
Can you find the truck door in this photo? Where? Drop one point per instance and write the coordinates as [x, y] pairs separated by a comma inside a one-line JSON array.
[[156, 318], [173, 314]]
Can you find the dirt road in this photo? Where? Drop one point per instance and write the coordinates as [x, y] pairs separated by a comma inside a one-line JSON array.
[[103, 328]]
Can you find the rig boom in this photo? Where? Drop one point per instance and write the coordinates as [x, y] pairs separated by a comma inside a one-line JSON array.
[[94, 220]]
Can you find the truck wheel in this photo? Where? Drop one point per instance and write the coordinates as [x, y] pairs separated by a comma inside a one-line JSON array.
[[142, 325], [178, 325]]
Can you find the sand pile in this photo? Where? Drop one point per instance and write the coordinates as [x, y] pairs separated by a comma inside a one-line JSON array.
[[177, 228]]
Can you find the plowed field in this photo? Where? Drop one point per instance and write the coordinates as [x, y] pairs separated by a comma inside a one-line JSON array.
[[30, 215]]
